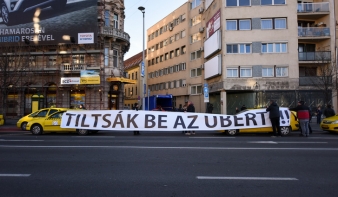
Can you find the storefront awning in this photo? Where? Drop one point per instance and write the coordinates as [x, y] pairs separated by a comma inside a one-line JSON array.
[[122, 80]]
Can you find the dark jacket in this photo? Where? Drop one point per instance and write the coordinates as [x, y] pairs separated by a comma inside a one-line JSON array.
[[191, 108], [274, 110], [303, 112], [328, 112]]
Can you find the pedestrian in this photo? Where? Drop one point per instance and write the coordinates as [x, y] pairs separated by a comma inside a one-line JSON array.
[[303, 115], [81, 106], [328, 112], [319, 114], [274, 116], [210, 107], [237, 110], [136, 108], [243, 107], [191, 109]]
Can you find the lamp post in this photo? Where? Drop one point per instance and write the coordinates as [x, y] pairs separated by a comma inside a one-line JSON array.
[[142, 73]]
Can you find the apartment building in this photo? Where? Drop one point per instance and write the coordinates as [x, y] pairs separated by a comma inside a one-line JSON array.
[[77, 60], [174, 56]]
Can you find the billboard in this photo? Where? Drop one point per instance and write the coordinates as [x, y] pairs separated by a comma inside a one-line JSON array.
[[214, 23], [48, 22]]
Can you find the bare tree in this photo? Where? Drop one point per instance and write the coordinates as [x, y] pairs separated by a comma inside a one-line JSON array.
[[14, 64]]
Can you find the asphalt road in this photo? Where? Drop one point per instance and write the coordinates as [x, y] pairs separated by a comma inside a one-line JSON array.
[[167, 164]]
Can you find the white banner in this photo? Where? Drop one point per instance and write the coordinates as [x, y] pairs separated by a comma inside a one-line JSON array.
[[130, 120]]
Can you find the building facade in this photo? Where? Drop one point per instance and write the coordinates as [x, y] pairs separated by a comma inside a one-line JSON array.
[[245, 52], [69, 66]]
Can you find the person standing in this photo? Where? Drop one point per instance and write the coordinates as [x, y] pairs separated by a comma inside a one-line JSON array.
[[81, 106], [303, 115], [136, 108], [237, 110], [210, 107], [243, 107], [274, 116], [319, 115], [191, 109], [328, 112]]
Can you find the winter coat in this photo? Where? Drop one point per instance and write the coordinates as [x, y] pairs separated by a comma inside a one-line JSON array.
[[274, 110], [191, 108], [303, 112]]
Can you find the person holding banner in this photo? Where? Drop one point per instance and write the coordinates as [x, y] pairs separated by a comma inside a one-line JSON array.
[[191, 109], [274, 116]]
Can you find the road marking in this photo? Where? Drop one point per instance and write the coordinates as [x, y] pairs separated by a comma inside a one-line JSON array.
[[272, 142], [246, 178], [183, 147], [3, 140], [213, 137], [94, 137], [16, 175]]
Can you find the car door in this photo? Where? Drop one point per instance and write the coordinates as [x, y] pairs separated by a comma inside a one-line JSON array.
[[53, 122]]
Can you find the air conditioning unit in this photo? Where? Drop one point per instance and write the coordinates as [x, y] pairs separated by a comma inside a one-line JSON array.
[[201, 29], [171, 26], [202, 66], [202, 49], [201, 10]]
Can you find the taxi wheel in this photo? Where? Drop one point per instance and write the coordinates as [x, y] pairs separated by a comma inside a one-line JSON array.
[[232, 132], [23, 126], [36, 129], [82, 131], [285, 130]]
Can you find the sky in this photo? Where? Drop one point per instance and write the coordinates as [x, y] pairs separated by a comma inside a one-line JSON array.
[[155, 10]]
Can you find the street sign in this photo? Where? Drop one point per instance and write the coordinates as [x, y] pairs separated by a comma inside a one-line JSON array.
[[142, 69], [206, 93]]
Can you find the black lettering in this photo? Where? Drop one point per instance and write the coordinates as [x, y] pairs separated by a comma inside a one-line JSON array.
[[77, 120], [236, 119], [104, 118], [131, 120], [83, 121], [225, 119], [149, 119], [96, 119], [194, 118], [69, 118], [207, 121], [262, 117], [252, 118], [160, 121], [179, 121], [118, 120]]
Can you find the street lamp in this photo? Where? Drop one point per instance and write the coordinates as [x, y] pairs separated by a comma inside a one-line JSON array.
[[142, 73]]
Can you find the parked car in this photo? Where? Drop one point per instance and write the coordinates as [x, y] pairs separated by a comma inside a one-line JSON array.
[[12, 10], [285, 130], [2, 121], [42, 113], [330, 124], [52, 123]]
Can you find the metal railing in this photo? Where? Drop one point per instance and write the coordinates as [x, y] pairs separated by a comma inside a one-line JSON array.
[[315, 80], [113, 32], [313, 7], [313, 31], [73, 67], [320, 56]]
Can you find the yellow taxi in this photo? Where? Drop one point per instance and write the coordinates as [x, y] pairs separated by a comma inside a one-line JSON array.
[[52, 124], [2, 121], [42, 113], [330, 124], [285, 130]]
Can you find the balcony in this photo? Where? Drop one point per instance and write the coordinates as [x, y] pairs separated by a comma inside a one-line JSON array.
[[313, 7], [73, 67], [116, 33], [318, 56], [315, 81], [322, 32]]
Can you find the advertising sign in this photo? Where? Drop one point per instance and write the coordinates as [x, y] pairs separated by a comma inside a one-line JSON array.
[[206, 93], [46, 22], [214, 23], [90, 77], [70, 80]]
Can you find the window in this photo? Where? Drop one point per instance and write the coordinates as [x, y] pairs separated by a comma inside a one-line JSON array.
[[274, 47], [232, 72], [157, 60], [165, 42], [106, 56], [238, 2], [276, 23], [238, 48], [195, 72], [272, 2], [183, 50], [195, 55], [106, 18], [197, 89], [161, 58], [116, 21], [246, 72], [238, 24], [282, 72], [115, 58], [177, 36], [267, 72], [166, 56], [183, 34], [172, 39], [177, 52], [195, 37], [171, 54], [195, 3], [132, 76], [196, 20]]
